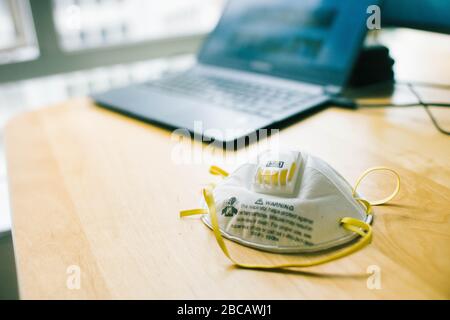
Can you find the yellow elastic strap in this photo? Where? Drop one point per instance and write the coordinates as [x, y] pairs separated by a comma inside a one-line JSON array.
[[366, 204], [215, 170], [368, 172], [351, 224], [192, 212]]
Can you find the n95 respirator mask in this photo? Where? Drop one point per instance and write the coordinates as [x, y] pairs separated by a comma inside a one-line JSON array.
[[288, 202]]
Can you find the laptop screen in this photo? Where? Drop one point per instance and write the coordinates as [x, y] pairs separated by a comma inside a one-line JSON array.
[[308, 40]]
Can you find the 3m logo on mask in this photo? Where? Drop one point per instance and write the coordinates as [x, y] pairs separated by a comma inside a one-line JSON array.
[[230, 207], [274, 164]]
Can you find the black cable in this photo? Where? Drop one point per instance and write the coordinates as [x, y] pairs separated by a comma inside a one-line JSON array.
[[427, 109], [443, 86], [388, 105], [353, 104]]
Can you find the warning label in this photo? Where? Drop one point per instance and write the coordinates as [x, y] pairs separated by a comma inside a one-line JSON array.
[[274, 221]]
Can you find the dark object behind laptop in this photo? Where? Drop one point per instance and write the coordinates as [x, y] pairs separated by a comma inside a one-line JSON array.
[[374, 65]]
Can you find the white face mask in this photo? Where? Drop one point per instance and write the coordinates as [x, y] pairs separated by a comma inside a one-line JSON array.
[[289, 202]]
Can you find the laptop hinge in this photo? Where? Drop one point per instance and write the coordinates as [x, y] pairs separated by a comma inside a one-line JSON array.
[[331, 90]]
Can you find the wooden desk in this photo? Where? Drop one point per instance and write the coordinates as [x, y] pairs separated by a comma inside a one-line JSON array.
[[98, 190]]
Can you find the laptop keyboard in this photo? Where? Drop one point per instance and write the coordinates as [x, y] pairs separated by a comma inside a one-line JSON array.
[[239, 95]]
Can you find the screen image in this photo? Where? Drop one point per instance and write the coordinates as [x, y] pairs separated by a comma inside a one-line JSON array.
[[313, 40]]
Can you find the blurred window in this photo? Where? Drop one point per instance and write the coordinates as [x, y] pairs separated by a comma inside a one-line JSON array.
[[82, 24], [87, 24], [17, 36], [98, 33]]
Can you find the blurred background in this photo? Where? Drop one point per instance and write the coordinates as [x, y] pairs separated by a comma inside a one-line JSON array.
[[52, 50]]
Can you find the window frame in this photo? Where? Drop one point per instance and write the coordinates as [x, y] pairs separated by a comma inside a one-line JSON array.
[[53, 59]]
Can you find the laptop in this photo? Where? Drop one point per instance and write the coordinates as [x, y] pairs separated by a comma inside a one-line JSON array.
[[266, 61]]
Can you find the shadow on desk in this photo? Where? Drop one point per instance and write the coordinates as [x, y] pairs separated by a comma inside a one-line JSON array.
[[8, 278]]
